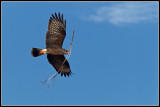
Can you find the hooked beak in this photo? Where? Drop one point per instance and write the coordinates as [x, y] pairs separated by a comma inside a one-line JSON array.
[[66, 52]]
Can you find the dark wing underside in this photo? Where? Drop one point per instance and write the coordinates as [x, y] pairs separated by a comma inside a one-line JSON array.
[[56, 31], [56, 61]]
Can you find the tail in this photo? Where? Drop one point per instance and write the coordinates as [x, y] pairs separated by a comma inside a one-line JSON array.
[[37, 52]]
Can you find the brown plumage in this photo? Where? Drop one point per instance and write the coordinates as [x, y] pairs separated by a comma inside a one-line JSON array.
[[54, 40]]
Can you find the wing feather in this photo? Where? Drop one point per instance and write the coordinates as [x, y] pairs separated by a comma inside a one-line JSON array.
[[53, 16], [59, 17], [56, 61], [56, 32], [56, 16], [65, 23], [62, 18]]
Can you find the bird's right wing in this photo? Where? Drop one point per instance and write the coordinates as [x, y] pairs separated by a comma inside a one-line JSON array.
[[57, 62]]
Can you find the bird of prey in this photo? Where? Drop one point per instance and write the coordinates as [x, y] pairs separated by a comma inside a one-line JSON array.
[[54, 40]]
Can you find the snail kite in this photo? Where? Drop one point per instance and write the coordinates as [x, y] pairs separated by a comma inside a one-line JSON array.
[[54, 40]]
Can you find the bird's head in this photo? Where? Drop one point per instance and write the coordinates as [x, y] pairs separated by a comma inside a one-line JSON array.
[[65, 51], [62, 51]]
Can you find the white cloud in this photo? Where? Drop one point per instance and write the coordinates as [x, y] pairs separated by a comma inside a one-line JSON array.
[[126, 12]]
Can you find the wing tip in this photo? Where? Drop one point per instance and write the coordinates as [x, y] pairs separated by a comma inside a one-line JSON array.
[[58, 17], [66, 74]]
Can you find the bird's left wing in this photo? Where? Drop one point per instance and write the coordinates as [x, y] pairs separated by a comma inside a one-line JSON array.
[[56, 31]]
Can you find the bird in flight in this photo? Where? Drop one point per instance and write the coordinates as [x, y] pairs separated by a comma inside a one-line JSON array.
[[54, 40]]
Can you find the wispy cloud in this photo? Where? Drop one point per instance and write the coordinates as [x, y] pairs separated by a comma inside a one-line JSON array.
[[126, 13]]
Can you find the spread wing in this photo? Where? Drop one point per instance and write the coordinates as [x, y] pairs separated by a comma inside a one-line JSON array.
[[56, 61], [56, 31]]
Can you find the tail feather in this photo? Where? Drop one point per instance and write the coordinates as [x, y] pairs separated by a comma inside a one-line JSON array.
[[37, 52]]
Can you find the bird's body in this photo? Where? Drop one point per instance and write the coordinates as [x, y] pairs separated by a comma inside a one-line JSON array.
[[56, 51], [54, 40]]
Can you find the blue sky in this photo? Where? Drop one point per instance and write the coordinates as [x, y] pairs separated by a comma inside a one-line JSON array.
[[114, 53]]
